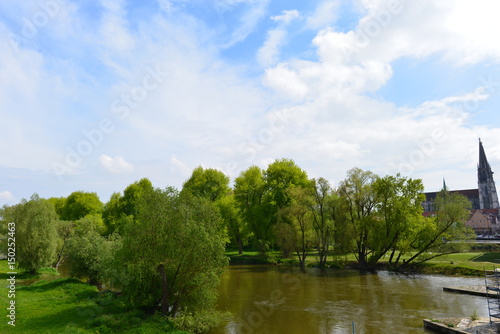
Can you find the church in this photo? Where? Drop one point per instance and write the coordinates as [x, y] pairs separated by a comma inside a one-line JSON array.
[[484, 218]]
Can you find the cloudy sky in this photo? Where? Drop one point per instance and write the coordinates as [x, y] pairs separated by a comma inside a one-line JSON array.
[[95, 95]]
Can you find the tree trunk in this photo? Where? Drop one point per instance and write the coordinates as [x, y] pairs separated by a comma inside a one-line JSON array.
[[240, 246], [164, 292]]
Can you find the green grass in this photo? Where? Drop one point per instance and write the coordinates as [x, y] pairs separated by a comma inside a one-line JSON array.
[[67, 305], [468, 263]]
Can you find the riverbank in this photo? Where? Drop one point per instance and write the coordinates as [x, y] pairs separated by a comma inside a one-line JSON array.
[[67, 305], [459, 264]]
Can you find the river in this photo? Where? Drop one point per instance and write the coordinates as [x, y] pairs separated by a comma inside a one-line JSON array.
[[276, 300]]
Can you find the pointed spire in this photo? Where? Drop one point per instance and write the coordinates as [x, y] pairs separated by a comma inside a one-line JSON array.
[[488, 198], [444, 185], [483, 162]]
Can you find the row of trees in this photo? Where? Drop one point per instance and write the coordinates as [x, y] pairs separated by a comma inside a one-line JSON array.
[[167, 256], [368, 215], [165, 248]]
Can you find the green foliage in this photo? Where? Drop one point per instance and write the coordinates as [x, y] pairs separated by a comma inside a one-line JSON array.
[[296, 230], [261, 194], [236, 226], [120, 210], [65, 230], [323, 207], [281, 175], [249, 191], [90, 253], [399, 212], [80, 204], [35, 232], [58, 203], [357, 213], [383, 215], [174, 255], [209, 183], [432, 237], [200, 322]]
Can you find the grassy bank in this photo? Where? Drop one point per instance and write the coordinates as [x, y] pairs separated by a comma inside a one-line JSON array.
[[467, 264], [67, 305]]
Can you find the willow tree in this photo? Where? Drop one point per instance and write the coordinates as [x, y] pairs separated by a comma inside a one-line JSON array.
[[208, 183], [173, 256], [444, 232], [296, 227], [36, 235], [357, 216]]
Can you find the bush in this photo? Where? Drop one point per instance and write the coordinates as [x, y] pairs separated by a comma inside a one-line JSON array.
[[200, 322]]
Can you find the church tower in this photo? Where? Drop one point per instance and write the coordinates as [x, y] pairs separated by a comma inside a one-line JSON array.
[[488, 198]]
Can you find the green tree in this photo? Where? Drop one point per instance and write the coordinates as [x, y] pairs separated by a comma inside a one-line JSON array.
[[322, 207], [89, 253], [398, 209], [356, 218], [249, 192], [65, 230], [172, 258], [120, 210], [209, 183], [281, 175], [443, 233], [79, 204], [58, 203], [35, 232], [133, 196], [238, 231], [297, 228]]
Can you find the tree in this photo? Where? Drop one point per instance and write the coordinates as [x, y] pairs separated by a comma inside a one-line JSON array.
[[90, 253], [249, 192], [441, 234], [281, 175], [79, 204], [297, 229], [398, 208], [209, 183], [120, 210], [65, 230], [173, 256], [322, 207], [357, 213], [35, 232], [238, 231], [58, 203]]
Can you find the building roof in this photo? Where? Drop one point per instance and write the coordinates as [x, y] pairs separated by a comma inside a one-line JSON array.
[[466, 192]]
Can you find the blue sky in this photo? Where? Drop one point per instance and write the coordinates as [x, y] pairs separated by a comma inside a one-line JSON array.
[[96, 95]]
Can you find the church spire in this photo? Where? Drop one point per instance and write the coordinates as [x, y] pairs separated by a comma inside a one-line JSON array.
[[488, 198]]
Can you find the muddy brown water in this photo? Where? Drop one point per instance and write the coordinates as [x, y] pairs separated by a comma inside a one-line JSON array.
[[276, 300]]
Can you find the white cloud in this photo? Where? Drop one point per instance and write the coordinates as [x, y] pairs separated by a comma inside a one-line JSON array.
[[268, 54], [180, 166], [325, 15], [208, 110], [287, 16], [6, 196], [114, 30], [115, 165], [255, 12]]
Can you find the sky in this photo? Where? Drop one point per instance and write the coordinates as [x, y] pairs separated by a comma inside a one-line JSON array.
[[95, 95]]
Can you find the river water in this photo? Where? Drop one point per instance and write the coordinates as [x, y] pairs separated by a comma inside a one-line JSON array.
[[276, 300]]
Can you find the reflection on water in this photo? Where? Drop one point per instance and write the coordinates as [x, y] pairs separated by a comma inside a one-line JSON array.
[[63, 271], [275, 300]]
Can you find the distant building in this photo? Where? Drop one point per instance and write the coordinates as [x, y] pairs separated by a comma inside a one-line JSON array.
[[484, 217], [484, 221]]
